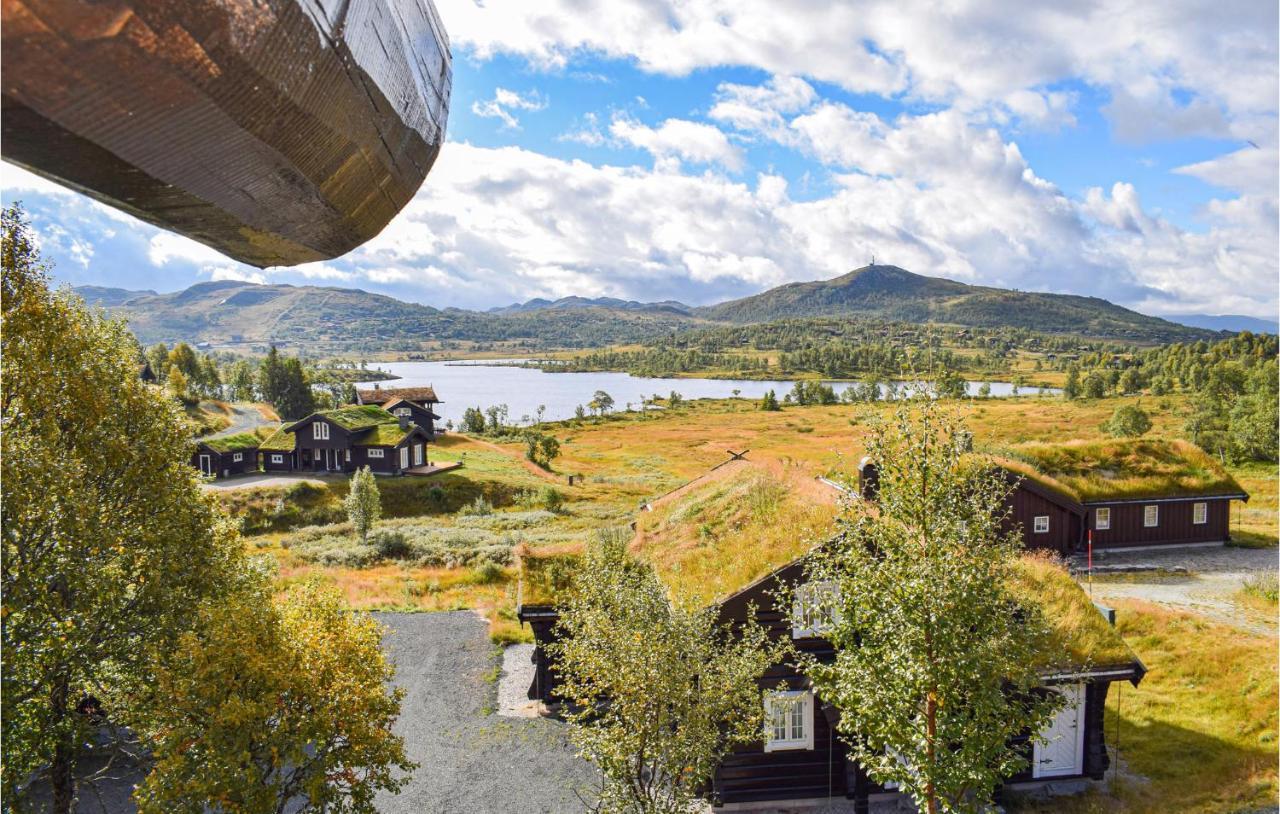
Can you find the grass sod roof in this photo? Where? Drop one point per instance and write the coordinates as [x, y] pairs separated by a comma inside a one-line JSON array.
[[231, 443], [279, 441], [382, 395], [357, 416], [1128, 469], [388, 434]]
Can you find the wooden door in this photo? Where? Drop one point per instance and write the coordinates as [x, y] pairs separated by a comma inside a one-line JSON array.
[[417, 454], [206, 464], [404, 457], [1059, 752]]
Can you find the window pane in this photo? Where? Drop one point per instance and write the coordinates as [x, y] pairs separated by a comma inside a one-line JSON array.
[[797, 720]]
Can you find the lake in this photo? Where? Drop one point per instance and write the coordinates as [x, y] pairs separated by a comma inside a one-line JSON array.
[[522, 389]]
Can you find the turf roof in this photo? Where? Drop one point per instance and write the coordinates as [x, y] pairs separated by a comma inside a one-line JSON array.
[[279, 441], [357, 416], [231, 443], [387, 434], [1122, 469]]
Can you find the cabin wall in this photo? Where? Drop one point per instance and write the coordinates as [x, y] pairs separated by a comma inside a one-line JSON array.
[[1175, 526], [288, 464], [224, 463], [422, 416], [1064, 526], [388, 464]]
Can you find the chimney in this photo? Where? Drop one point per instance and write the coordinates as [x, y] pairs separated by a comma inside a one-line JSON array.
[[404, 422], [868, 479]]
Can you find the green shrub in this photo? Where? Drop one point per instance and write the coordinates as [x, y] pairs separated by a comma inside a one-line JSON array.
[[486, 573], [478, 507], [551, 498], [391, 544]]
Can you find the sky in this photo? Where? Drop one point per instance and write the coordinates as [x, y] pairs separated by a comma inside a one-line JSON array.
[[665, 149]]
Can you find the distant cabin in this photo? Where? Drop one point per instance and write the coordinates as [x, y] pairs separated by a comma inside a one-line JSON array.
[[1123, 494], [226, 456], [347, 439], [1127, 494], [799, 759], [417, 403]]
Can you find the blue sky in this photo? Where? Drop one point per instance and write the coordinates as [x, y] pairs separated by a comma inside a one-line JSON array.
[[701, 152]]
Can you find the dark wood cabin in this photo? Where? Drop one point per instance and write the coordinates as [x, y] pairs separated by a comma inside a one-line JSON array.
[[1123, 494], [801, 758], [226, 456], [1161, 522], [345, 440], [417, 403], [1044, 518]]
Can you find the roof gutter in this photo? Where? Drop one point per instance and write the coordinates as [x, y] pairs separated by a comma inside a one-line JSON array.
[[1104, 502], [1133, 673]]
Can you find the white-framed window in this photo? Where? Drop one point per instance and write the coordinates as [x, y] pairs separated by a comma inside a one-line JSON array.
[[816, 609], [348, 456], [404, 411], [277, 458], [1199, 513], [1042, 524], [788, 720], [320, 431], [1102, 519], [1150, 516], [237, 458], [375, 453]]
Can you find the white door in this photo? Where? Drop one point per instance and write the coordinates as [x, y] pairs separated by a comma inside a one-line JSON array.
[[417, 454], [206, 464], [404, 457], [1060, 749]]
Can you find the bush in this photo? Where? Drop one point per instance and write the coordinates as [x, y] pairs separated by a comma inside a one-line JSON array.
[[478, 507], [1128, 421], [551, 499], [436, 494], [391, 544], [486, 573]]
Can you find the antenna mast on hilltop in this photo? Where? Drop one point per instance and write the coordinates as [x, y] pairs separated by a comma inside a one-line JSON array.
[[873, 259]]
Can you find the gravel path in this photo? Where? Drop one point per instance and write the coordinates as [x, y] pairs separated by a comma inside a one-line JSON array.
[[1210, 587], [244, 418], [471, 760]]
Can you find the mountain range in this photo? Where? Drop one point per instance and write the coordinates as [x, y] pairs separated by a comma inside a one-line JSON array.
[[326, 318]]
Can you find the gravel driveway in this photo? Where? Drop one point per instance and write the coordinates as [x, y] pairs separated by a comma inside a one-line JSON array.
[[472, 761], [1210, 586]]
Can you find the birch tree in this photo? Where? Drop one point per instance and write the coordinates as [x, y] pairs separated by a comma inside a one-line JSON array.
[[934, 671], [658, 694], [363, 503]]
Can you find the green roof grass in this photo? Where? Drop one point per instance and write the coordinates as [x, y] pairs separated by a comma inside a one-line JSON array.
[[231, 443], [383, 435], [279, 441], [1093, 471], [1080, 636], [358, 416]]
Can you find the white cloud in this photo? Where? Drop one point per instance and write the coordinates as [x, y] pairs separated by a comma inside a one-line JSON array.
[[503, 102], [680, 139], [167, 246], [513, 224], [1168, 64], [240, 273]]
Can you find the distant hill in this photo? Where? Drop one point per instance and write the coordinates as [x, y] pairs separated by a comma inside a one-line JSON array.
[[1227, 322], [231, 312], [892, 293], [540, 304], [325, 318], [101, 295]]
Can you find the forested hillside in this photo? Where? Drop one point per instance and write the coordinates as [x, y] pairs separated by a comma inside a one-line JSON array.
[[324, 319], [892, 293]]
